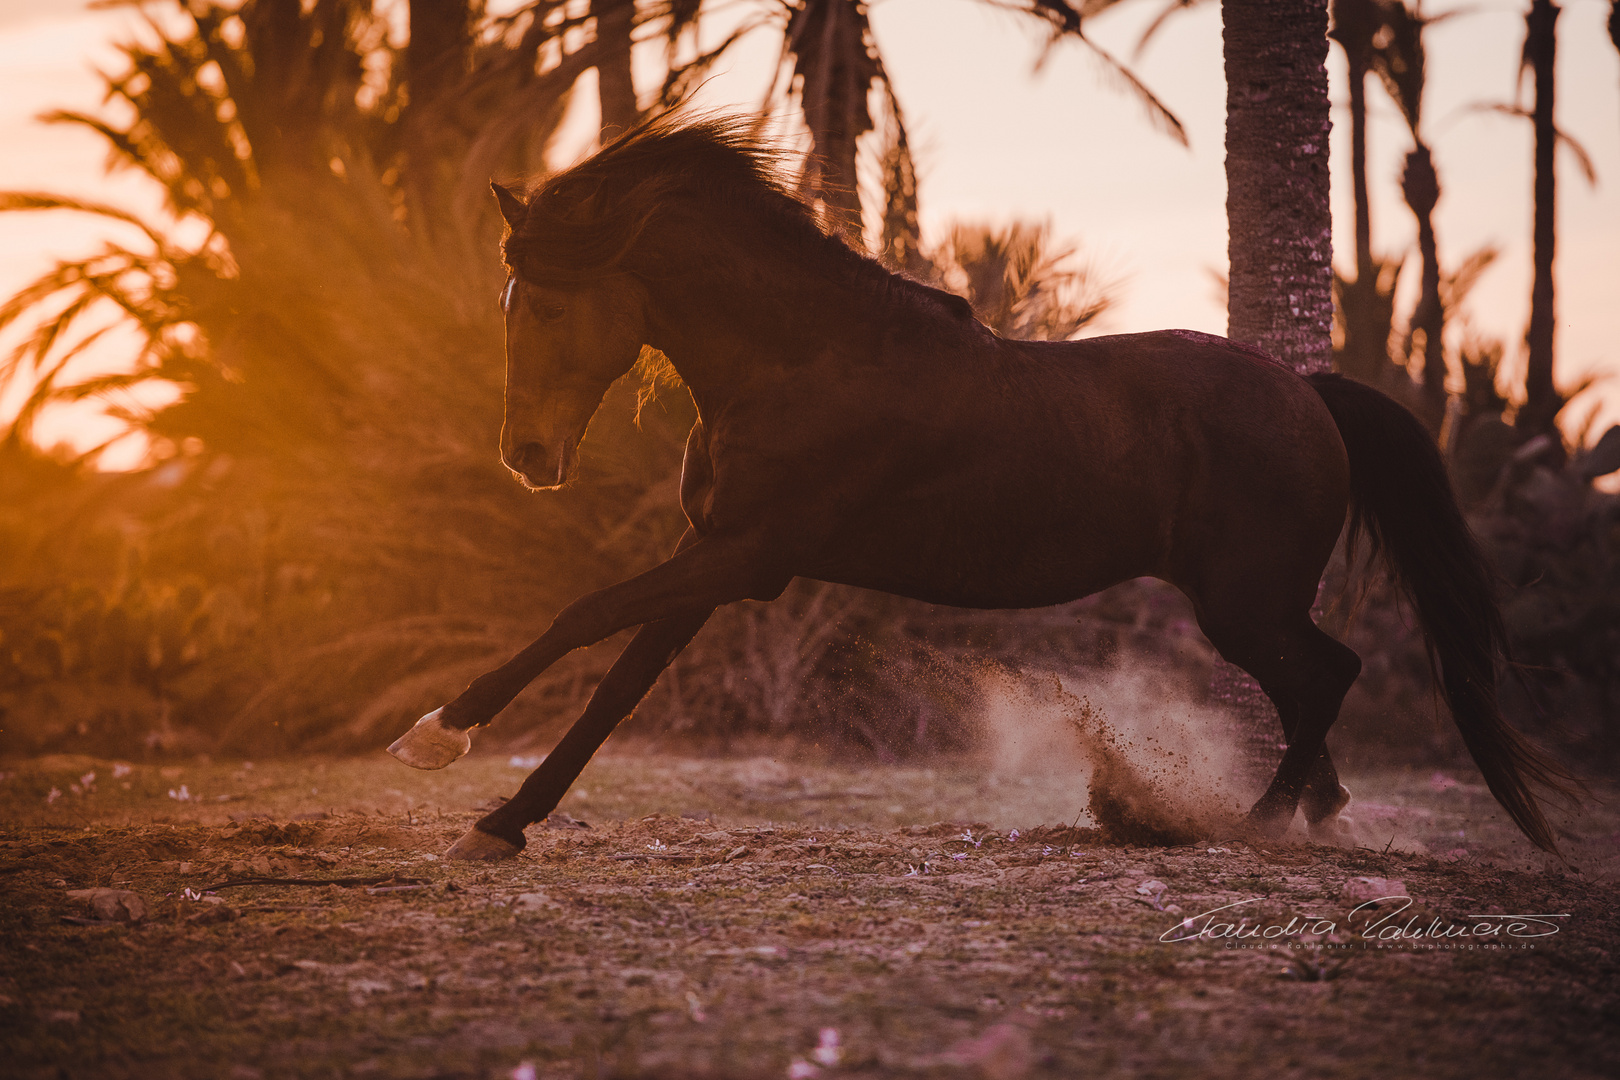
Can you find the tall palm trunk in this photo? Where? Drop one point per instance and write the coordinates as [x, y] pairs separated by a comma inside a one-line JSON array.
[[437, 56], [1354, 23], [835, 65], [1541, 397], [616, 89], [1614, 23], [1421, 187], [1279, 228], [1366, 301]]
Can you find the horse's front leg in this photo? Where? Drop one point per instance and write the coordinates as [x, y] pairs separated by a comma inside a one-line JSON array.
[[499, 835], [695, 580]]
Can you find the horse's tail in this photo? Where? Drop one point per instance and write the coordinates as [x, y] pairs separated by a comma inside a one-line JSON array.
[[1401, 500]]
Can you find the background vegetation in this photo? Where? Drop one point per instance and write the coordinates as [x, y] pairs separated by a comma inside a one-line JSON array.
[[323, 544]]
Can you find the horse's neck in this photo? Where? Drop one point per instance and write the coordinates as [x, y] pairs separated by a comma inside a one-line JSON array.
[[728, 313]]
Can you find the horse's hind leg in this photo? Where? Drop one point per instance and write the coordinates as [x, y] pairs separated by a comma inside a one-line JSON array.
[[1323, 796], [1306, 674]]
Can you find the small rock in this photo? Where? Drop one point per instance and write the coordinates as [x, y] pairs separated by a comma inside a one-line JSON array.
[[736, 853], [113, 905]]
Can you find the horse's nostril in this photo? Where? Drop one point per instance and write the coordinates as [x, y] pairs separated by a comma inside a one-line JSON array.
[[527, 459]]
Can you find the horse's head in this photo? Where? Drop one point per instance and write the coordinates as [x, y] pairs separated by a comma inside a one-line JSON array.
[[567, 340]]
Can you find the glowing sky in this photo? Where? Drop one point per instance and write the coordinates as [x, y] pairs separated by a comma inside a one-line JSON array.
[[997, 142]]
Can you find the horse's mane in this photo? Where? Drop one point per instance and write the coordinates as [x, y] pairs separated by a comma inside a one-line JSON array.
[[583, 222]]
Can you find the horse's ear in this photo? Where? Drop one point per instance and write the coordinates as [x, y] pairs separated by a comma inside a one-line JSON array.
[[513, 208]]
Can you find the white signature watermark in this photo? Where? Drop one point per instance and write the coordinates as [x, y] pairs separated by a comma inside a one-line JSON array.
[[1363, 924]]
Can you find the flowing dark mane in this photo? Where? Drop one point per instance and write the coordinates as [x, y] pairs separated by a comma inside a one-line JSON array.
[[585, 222]]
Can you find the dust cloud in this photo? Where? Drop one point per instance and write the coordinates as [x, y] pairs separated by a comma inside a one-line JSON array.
[[1159, 766]]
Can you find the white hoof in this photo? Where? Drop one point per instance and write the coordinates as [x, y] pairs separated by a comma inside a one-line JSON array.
[[1336, 828], [1333, 829], [431, 744]]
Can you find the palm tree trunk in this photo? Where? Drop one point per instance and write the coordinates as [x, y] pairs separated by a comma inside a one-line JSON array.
[[1279, 232], [1541, 397], [1421, 187], [835, 66], [1358, 168], [1354, 23], [615, 21], [1365, 351], [1614, 23], [440, 45], [1279, 227], [437, 55]]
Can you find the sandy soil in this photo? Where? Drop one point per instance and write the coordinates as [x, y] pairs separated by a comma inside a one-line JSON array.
[[772, 918]]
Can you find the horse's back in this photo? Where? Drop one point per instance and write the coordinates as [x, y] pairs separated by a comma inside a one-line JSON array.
[[1031, 473]]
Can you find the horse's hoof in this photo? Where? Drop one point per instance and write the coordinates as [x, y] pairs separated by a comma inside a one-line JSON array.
[[1341, 801], [1333, 829], [431, 744], [479, 846]]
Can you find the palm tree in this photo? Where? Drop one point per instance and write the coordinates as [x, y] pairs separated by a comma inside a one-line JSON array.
[[1538, 414], [331, 341], [1020, 282], [615, 86], [1614, 23], [1542, 401], [1280, 238], [1365, 302], [832, 66], [1399, 62]]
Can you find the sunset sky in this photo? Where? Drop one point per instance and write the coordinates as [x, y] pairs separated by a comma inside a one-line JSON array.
[[996, 141]]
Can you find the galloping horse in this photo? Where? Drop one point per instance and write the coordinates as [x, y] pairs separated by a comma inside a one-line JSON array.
[[857, 427]]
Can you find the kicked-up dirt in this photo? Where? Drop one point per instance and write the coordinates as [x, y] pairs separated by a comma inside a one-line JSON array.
[[785, 919]]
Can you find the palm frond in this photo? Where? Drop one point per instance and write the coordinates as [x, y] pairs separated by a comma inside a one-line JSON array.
[[1159, 115], [1582, 158], [33, 200]]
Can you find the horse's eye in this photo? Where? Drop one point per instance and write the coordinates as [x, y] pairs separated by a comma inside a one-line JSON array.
[[552, 312]]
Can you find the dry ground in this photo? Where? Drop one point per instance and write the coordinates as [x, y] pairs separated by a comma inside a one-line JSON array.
[[760, 918]]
